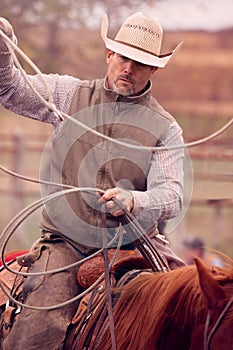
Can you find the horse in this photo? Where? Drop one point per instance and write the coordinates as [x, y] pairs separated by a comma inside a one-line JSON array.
[[188, 308]]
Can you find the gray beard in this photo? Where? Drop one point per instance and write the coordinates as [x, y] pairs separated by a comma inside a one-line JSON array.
[[124, 92]]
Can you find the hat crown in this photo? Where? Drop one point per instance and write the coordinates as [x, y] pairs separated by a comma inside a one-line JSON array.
[[141, 32], [139, 39]]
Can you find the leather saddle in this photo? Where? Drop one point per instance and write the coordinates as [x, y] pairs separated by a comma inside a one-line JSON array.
[[121, 262]]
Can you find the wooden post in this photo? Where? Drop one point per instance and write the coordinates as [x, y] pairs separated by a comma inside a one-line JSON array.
[[217, 205]]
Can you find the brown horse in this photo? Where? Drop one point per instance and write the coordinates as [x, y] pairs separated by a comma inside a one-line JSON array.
[[190, 308]]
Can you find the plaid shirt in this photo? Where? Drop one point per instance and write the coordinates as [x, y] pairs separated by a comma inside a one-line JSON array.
[[164, 193]]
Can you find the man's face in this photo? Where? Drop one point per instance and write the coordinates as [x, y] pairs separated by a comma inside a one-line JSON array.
[[190, 253], [125, 76]]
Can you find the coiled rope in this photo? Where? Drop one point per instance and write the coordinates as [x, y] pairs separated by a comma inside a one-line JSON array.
[[20, 217], [62, 116]]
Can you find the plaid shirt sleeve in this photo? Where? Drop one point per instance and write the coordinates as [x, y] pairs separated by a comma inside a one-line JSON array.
[[14, 89], [164, 196]]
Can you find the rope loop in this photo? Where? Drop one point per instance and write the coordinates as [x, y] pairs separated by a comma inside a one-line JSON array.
[[19, 218]]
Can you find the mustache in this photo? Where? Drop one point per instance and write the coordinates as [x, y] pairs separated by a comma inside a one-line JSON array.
[[126, 77]]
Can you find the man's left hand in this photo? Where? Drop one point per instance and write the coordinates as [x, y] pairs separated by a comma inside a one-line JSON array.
[[124, 196]]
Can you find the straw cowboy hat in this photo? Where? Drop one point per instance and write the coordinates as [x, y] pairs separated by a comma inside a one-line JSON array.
[[140, 39]]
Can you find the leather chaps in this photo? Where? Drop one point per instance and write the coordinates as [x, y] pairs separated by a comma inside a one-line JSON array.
[[43, 329]]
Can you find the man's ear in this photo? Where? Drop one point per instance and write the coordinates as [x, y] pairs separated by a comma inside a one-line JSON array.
[[154, 69], [109, 55]]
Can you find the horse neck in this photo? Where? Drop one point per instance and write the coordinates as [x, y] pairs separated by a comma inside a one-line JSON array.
[[175, 338], [167, 303], [178, 329]]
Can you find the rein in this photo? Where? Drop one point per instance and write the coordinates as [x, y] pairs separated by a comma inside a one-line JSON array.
[[138, 234], [107, 279], [142, 241], [208, 337], [144, 245], [149, 252]]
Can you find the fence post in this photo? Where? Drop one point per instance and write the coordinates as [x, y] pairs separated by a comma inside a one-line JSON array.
[[217, 205]]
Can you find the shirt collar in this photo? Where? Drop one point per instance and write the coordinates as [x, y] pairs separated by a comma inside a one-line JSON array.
[[145, 94]]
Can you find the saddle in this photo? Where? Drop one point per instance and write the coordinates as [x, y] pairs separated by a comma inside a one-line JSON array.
[[92, 314], [12, 284], [124, 261], [91, 317], [10, 281]]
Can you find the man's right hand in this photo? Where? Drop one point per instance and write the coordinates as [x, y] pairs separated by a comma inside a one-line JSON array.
[[7, 29]]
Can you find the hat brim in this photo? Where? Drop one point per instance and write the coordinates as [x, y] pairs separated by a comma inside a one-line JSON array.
[[134, 53]]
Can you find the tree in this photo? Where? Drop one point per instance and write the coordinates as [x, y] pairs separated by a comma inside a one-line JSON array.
[[64, 12], [40, 24]]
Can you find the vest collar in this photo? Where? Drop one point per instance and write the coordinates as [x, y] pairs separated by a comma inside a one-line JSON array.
[[145, 95]]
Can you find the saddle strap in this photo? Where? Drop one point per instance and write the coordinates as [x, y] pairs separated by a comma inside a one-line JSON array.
[[93, 321], [87, 314], [102, 326], [8, 319], [12, 283], [96, 326]]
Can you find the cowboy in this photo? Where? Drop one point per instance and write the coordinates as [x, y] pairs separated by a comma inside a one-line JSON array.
[[194, 246], [148, 184]]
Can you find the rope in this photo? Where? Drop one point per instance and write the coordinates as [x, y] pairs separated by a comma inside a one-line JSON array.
[[77, 297], [139, 236], [25, 213], [61, 116], [56, 306], [207, 338], [156, 148], [31, 179], [19, 218], [11, 47]]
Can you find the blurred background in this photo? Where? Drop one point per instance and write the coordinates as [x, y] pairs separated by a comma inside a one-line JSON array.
[[63, 36]]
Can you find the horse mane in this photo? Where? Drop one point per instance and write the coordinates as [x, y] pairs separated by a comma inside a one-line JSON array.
[[159, 301]]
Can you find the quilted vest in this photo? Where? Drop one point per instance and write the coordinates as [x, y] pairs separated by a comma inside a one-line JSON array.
[[90, 162]]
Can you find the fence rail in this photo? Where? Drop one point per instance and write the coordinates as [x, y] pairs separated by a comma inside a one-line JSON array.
[[14, 149]]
